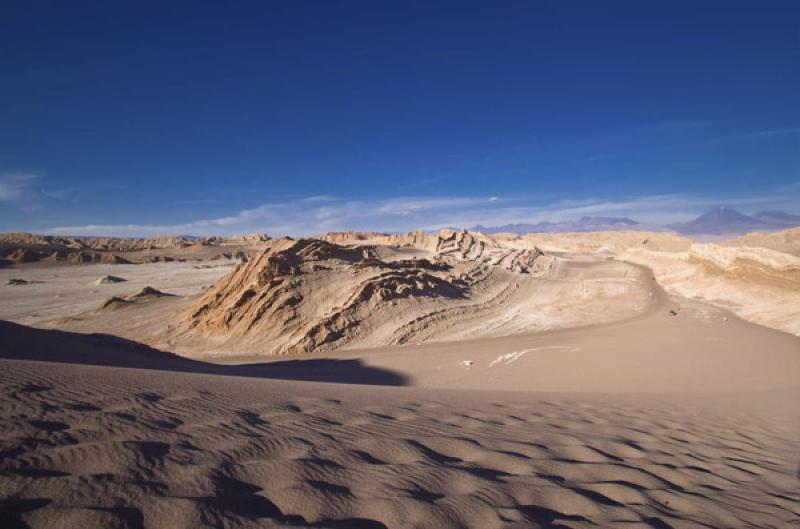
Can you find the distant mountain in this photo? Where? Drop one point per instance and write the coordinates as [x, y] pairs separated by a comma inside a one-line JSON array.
[[719, 221], [583, 224], [781, 218], [724, 221]]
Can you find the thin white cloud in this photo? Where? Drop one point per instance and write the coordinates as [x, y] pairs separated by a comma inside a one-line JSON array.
[[15, 187], [197, 201], [304, 216], [26, 192], [766, 134]]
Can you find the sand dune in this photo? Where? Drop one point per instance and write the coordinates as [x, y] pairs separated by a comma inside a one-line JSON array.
[[111, 447]]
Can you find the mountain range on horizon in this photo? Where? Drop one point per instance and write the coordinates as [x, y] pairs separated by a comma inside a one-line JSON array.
[[718, 221]]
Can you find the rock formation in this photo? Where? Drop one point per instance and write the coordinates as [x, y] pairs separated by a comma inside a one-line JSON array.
[[311, 294]]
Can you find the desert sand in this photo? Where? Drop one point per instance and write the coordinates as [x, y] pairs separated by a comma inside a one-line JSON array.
[[786, 241], [421, 380], [758, 284]]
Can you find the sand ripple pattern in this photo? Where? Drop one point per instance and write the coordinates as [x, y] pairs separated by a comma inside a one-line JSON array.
[[133, 450]]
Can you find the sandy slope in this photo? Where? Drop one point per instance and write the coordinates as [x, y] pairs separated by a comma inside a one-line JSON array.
[[758, 284], [699, 350], [110, 447]]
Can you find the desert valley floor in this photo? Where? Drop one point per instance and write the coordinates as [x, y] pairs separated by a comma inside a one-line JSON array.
[[444, 380]]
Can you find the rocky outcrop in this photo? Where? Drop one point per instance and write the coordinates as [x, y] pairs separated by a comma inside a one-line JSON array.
[[115, 244], [108, 280], [27, 247], [418, 239], [96, 258], [159, 259], [145, 294], [23, 255], [464, 245], [309, 295], [249, 239], [269, 291]]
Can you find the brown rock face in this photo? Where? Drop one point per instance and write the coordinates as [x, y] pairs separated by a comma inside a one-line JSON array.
[[93, 257], [145, 294]]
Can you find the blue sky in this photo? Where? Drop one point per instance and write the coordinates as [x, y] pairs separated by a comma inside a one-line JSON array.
[[302, 117]]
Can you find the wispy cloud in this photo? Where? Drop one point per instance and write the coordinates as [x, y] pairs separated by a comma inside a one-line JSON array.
[[15, 187], [28, 192], [197, 201], [314, 215], [759, 135]]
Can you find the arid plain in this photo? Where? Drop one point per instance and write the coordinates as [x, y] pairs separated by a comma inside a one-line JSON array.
[[429, 380]]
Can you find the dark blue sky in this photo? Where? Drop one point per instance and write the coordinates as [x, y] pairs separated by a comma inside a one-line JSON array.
[[303, 116]]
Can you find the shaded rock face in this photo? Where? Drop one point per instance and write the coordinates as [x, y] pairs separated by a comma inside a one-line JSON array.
[[159, 259], [108, 258], [145, 294], [311, 295], [239, 255], [148, 292], [83, 257], [23, 255]]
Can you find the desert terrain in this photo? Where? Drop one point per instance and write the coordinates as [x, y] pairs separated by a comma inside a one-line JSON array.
[[429, 380]]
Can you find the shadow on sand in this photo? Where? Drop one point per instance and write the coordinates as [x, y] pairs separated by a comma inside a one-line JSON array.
[[20, 342]]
